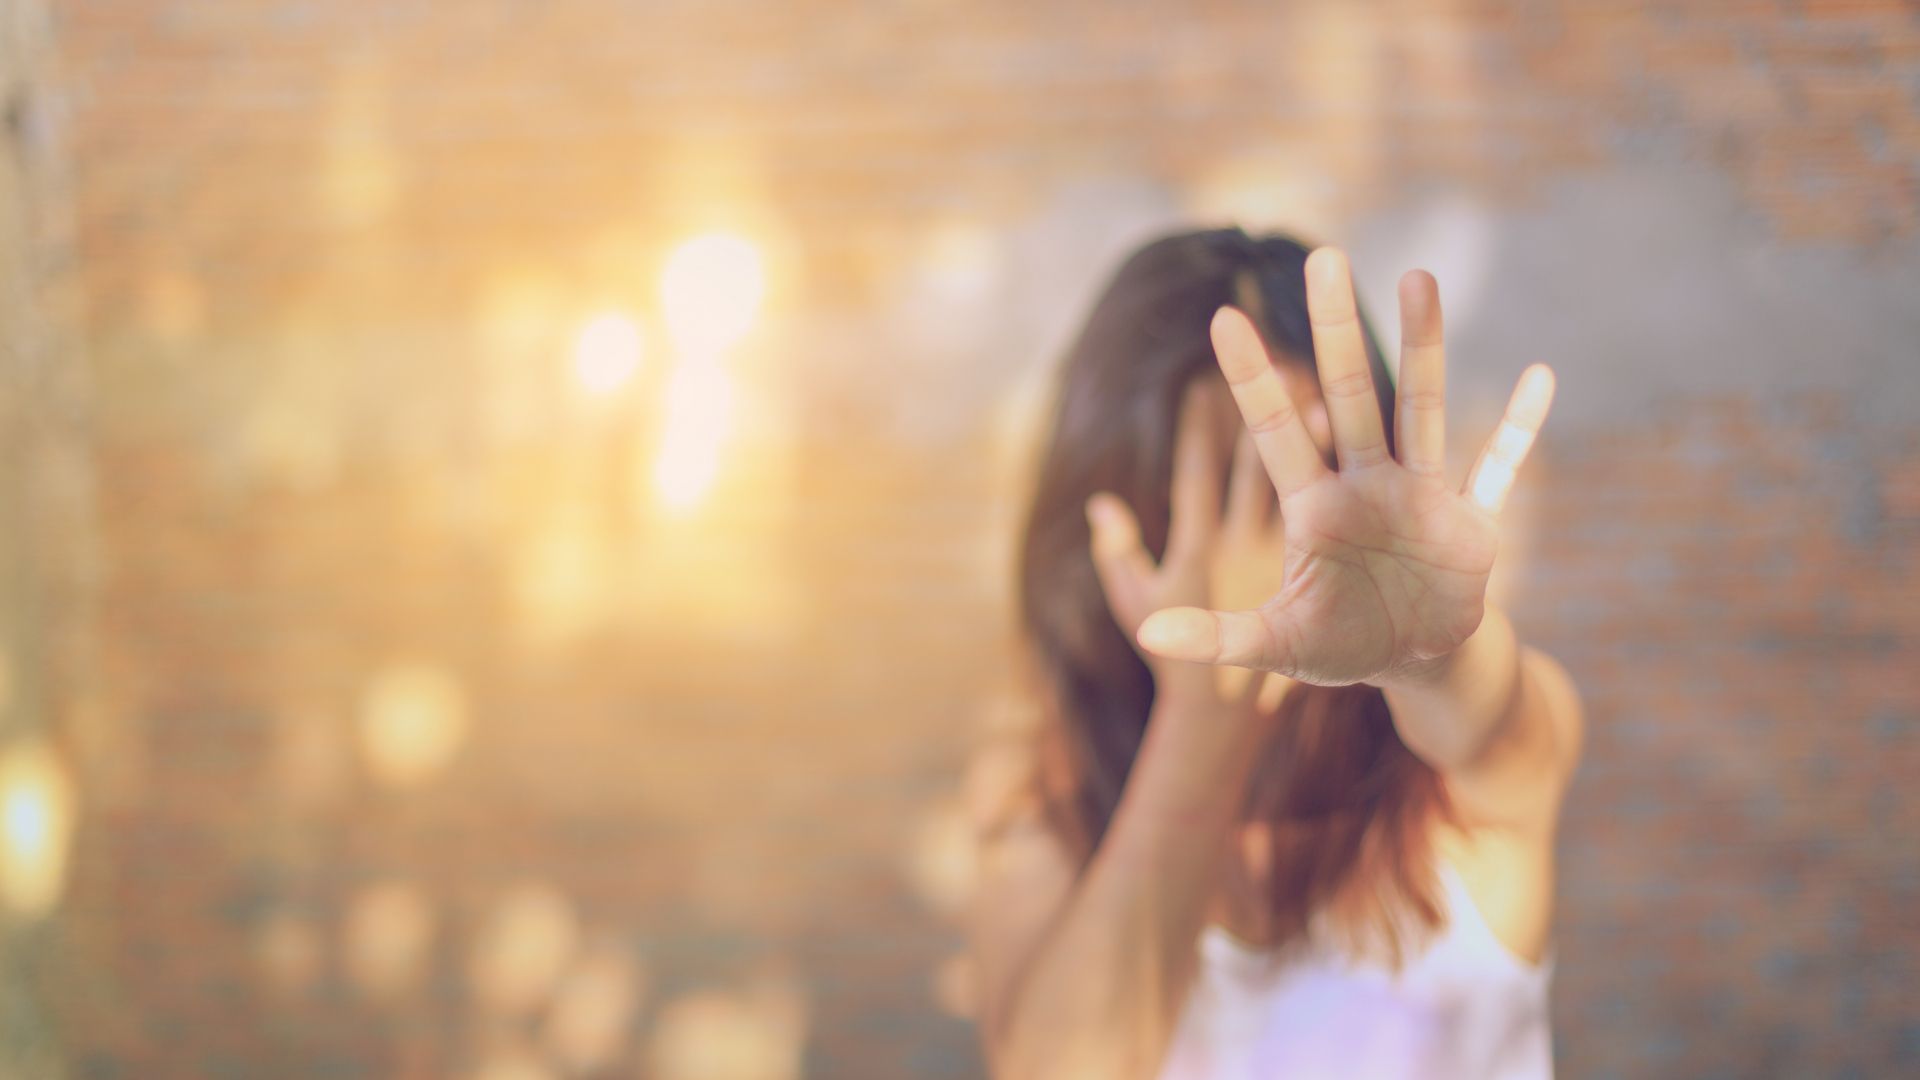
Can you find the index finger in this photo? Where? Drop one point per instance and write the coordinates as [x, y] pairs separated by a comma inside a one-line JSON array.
[[1285, 448]]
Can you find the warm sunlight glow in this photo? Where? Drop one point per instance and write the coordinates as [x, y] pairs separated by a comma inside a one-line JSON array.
[[606, 353], [961, 262], [1252, 189], [29, 828], [560, 572], [36, 819], [699, 415], [412, 719], [359, 176], [711, 292]]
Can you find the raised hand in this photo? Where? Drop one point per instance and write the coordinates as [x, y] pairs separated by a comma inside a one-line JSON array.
[[1210, 558], [1386, 566]]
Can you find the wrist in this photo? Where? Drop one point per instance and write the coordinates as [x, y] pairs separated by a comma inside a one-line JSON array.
[[1183, 702], [1191, 772], [1199, 708], [1433, 673], [1418, 674]]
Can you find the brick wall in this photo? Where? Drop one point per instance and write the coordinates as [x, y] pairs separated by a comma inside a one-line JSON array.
[[419, 735], [47, 536]]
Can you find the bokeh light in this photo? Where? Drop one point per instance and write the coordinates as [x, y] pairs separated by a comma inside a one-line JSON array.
[[36, 823], [528, 938], [412, 720], [607, 352], [699, 406], [752, 1034], [587, 1026], [513, 516], [388, 937], [711, 291]]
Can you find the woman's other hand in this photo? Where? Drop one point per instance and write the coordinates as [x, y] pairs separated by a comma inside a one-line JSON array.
[[1210, 558]]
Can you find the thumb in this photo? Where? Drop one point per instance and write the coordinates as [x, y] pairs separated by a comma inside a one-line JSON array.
[[1119, 558], [1196, 635]]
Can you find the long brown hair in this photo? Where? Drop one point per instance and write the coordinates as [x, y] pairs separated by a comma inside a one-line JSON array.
[[1345, 803]]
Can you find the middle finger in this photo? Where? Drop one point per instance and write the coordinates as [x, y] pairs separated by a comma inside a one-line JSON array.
[[1340, 352]]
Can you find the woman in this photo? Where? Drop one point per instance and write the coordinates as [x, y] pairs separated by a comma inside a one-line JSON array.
[[1299, 783]]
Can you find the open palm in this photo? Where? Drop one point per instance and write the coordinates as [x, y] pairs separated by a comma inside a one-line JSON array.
[[1386, 566]]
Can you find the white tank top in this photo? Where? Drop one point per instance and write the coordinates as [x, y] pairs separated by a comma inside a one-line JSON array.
[[1465, 1006]]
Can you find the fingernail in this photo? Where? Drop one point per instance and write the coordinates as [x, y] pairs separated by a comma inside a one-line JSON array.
[[1157, 635]]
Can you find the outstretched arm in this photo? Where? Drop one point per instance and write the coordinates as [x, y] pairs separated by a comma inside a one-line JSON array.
[[1502, 723], [1386, 564]]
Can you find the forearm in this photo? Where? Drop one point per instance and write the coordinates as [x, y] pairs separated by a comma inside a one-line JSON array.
[[1449, 712], [1101, 993]]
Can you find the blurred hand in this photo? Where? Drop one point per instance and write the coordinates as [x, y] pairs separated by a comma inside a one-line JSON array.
[[1209, 559], [1385, 566]]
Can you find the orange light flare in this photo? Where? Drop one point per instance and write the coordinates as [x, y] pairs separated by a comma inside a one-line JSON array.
[[607, 353], [413, 718], [711, 292], [699, 420], [36, 826]]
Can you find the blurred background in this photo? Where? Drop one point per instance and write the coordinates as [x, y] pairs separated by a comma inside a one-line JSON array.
[[506, 509]]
